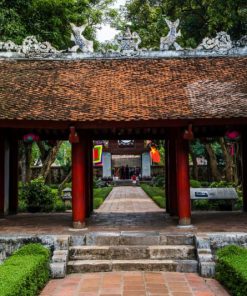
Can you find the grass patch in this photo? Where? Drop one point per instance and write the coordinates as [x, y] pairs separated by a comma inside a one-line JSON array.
[[157, 194], [99, 195], [25, 272], [231, 269]]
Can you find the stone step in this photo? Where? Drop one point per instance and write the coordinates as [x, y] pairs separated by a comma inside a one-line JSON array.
[[147, 238], [131, 252], [83, 266]]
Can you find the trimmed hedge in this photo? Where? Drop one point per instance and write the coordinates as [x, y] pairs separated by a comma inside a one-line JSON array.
[[231, 269], [99, 195], [26, 272], [157, 194]]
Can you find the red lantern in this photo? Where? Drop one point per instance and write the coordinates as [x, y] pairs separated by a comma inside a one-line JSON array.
[[154, 154], [30, 138]]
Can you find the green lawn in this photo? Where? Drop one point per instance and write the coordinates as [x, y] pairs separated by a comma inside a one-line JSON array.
[[156, 193], [99, 195]]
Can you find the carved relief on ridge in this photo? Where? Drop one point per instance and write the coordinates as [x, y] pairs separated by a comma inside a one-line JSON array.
[[169, 41]]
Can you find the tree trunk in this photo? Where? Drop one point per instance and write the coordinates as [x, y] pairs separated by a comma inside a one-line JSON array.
[[213, 163], [229, 163], [66, 180], [195, 166], [26, 155], [51, 157]]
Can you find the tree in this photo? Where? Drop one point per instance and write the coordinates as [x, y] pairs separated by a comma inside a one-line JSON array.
[[199, 18], [49, 20]]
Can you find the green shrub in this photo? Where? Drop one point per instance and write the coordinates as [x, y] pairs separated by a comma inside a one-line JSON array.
[[221, 184], [26, 272], [97, 202], [195, 184], [157, 194], [231, 269], [158, 181], [99, 195], [38, 196], [59, 205]]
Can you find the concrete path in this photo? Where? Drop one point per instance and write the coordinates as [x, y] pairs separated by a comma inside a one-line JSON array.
[[128, 199], [134, 284]]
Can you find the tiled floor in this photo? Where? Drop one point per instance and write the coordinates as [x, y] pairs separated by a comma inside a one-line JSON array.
[[134, 284], [128, 199]]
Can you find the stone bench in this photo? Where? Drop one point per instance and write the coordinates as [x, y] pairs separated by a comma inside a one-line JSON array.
[[214, 194]]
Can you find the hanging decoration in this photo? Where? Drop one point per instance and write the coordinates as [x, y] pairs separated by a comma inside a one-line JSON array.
[[188, 134], [232, 137], [97, 154], [30, 138], [73, 136], [154, 153]]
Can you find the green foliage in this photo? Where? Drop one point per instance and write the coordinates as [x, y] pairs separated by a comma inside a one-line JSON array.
[[199, 18], [195, 184], [158, 181], [38, 196], [99, 195], [231, 269], [49, 19], [64, 155], [221, 184], [157, 194], [26, 272]]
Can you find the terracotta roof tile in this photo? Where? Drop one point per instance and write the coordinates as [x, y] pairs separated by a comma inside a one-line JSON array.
[[123, 89]]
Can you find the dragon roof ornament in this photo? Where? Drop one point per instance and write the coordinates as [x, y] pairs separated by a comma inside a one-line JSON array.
[[30, 47]]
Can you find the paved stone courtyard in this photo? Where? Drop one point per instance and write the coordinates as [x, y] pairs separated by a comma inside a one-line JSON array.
[[119, 213], [134, 284], [128, 199]]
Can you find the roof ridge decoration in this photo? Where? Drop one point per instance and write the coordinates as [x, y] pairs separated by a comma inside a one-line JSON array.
[[222, 42], [128, 42], [30, 47], [128, 45], [170, 40], [81, 43]]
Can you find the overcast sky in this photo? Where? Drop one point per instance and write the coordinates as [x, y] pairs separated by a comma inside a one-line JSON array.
[[106, 32]]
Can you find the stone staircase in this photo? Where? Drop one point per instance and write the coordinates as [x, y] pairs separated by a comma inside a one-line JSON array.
[[130, 251]]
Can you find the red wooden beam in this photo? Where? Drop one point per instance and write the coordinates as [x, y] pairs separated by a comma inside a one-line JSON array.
[[52, 124]]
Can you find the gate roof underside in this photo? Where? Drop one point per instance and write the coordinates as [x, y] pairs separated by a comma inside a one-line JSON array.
[[123, 89]]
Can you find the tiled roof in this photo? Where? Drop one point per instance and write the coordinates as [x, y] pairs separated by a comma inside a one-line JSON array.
[[123, 89]]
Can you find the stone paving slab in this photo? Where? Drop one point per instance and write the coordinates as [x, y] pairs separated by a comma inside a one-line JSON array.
[[61, 223], [134, 283], [128, 199]]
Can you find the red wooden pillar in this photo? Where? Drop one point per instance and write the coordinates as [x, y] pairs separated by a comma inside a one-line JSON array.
[[90, 176], [244, 170], [13, 171], [172, 174], [79, 168], [89, 185], [2, 179], [167, 176], [183, 181]]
